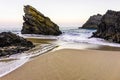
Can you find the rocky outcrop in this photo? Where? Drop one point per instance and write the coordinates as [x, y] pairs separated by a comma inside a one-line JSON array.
[[109, 28], [11, 43], [92, 22], [36, 23]]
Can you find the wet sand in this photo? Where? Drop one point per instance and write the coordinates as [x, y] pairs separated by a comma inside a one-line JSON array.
[[105, 48], [70, 64], [74, 45], [37, 40]]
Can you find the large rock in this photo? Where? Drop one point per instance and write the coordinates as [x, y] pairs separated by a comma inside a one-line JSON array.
[[36, 23], [92, 22], [11, 43], [109, 28]]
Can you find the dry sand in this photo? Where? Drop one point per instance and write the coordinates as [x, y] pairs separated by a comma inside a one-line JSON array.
[[69, 64]]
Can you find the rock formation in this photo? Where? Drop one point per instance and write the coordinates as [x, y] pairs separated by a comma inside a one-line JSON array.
[[92, 22], [11, 43], [109, 28], [36, 23]]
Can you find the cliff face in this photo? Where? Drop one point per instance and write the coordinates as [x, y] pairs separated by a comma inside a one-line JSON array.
[[36, 23], [109, 28], [92, 22]]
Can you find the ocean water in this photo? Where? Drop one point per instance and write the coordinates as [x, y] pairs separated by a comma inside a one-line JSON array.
[[72, 37], [83, 36]]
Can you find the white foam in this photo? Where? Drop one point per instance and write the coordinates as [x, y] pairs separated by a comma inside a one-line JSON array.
[[17, 60], [82, 36], [7, 67]]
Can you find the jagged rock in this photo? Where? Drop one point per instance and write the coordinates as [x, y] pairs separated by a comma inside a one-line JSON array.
[[92, 22], [11, 43], [36, 23], [109, 28]]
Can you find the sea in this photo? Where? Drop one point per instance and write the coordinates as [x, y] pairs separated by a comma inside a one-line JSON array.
[[72, 38]]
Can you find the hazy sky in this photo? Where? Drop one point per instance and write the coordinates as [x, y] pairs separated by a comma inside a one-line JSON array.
[[62, 12]]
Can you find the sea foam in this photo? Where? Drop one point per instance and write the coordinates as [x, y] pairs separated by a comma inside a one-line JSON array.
[[13, 62], [83, 36]]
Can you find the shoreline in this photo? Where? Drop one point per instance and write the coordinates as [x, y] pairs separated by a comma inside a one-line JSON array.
[[17, 60], [52, 42], [70, 64], [66, 45], [37, 40]]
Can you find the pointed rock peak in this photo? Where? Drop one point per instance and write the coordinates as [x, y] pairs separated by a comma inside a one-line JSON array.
[[92, 22], [29, 9], [36, 23]]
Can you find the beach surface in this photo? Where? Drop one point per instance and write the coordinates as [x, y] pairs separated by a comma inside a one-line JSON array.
[[70, 64]]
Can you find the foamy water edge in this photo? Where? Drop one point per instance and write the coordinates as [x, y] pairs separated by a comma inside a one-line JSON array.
[[19, 61]]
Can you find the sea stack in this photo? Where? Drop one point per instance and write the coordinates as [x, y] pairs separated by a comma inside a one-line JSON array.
[[92, 22], [109, 28], [36, 23], [11, 44]]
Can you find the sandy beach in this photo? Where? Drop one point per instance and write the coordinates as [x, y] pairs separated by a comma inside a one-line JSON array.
[[70, 64], [60, 40]]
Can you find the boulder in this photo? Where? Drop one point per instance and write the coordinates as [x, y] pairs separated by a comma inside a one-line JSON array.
[[109, 28], [36, 23], [92, 22], [11, 43]]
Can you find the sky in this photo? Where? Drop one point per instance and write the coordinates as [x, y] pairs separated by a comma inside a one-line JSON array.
[[66, 13]]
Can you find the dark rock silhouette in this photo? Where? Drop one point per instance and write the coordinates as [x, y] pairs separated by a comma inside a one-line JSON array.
[[36, 23], [11, 43], [92, 22], [109, 28]]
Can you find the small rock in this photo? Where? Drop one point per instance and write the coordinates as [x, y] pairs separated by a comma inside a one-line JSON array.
[[11, 44]]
